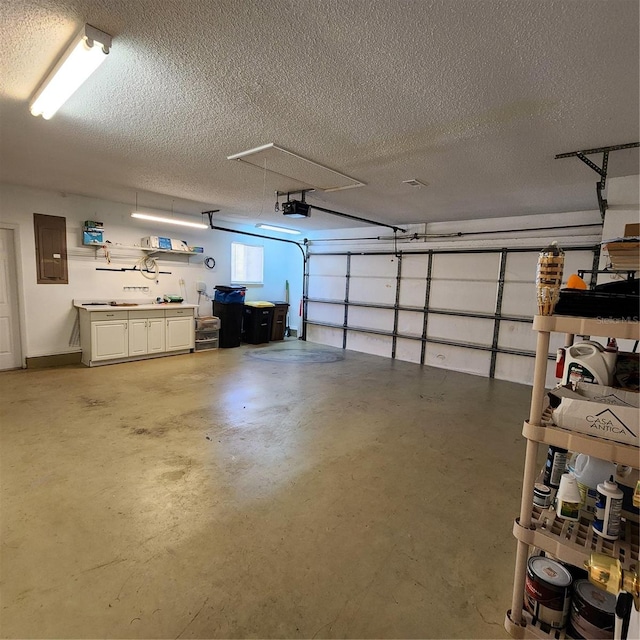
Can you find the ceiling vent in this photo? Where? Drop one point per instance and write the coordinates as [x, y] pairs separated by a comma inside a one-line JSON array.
[[274, 159]]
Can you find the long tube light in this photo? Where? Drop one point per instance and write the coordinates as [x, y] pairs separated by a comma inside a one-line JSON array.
[[182, 223], [272, 227], [85, 54]]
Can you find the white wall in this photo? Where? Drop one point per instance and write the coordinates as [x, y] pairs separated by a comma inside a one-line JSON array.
[[47, 315]]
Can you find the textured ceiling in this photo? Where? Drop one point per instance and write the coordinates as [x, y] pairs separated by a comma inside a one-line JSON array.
[[473, 98]]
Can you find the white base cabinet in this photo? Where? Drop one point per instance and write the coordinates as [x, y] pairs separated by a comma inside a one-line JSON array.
[[146, 332], [107, 337], [180, 330]]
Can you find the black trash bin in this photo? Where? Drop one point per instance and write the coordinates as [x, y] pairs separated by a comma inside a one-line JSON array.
[[228, 303], [256, 323]]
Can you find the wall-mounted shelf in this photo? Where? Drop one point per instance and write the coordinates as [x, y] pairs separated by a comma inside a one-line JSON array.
[[151, 252], [181, 253]]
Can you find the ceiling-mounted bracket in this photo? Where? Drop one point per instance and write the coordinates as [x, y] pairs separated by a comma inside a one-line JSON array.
[[308, 205], [210, 215], [601, 171], [302, 192]]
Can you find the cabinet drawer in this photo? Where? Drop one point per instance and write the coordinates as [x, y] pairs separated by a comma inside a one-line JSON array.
[[206, 335], [143, 315], [205, 345], [173, 313], [98, 316]]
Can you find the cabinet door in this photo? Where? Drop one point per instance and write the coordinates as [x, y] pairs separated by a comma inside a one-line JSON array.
[[138, 337], [155, 335], [180, 333], [109, 339]]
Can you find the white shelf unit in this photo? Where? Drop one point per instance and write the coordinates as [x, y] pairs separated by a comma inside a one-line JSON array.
[[539, 528]]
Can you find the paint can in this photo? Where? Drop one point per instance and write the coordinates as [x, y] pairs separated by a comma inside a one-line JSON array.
[[547, 591], [541, 495], [592, 612]]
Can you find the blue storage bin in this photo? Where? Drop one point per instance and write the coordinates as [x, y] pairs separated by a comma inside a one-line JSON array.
[[229, 295]]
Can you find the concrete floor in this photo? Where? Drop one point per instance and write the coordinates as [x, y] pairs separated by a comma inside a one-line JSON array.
[[220, 495]]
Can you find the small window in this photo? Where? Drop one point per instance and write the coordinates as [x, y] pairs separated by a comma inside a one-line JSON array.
[[247, 263]]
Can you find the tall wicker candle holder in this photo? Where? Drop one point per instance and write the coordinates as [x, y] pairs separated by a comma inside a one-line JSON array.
[[549, 278]]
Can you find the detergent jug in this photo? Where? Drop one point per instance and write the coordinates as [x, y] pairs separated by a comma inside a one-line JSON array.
[[588, 361]]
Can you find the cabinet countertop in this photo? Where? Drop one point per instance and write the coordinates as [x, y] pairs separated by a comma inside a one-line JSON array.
[[136, 307]]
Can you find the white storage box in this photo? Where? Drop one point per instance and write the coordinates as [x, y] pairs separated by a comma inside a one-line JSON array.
[[155, 242], [597, 410], [207, 323]]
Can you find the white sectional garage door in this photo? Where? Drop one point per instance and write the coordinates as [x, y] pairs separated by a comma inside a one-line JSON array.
[[464, 310]]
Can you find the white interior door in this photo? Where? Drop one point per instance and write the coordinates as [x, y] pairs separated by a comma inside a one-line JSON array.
[[10, 350]]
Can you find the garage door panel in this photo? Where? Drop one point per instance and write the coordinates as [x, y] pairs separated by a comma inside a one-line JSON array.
[[410, 323], [332, 313], [379, 319], [369, 343], [520, 369], [458, 295], [519, 299], [576, 260], [327, 287], [412, 292], [377, 266], [415, 266], [473, 330], [321, 265], [372, 290], [480, 266], [408, 350], [458, 359], [324, 335], [521, 267], [522, 337], [516, 335]]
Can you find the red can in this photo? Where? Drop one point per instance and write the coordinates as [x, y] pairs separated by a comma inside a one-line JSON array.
[[548, 591]]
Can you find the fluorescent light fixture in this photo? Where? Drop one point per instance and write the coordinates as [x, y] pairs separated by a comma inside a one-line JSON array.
[[85, 54], [182, 223], [272, 227]]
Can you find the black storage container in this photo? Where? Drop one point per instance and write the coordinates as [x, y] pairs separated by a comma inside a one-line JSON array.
[[256, 324], [608, 300], [228, 303]]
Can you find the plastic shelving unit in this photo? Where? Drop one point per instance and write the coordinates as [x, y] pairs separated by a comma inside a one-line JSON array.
[[569, 542]]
